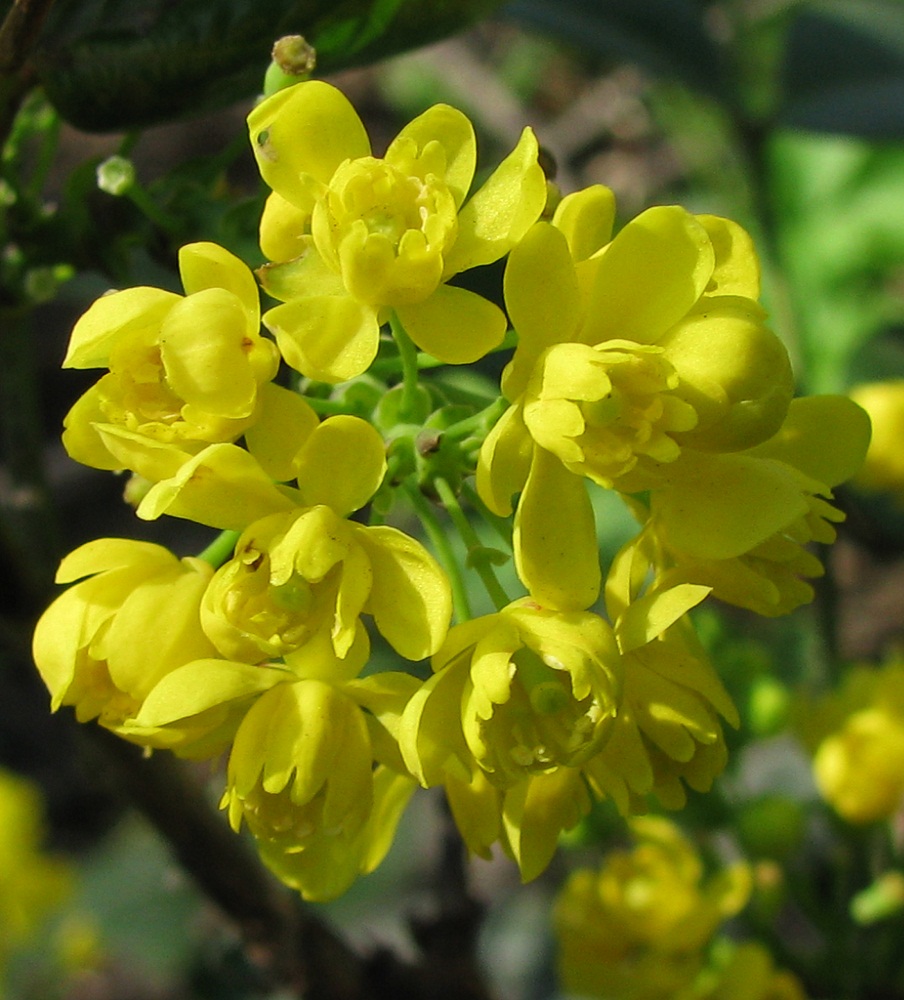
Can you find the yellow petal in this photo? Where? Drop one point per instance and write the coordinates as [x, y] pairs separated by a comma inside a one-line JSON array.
[[202, 348], [327, 338], [307, 129], [452, 131], [825, 437], [151, 459], [222, 486], [502, 211], [651, 615], [341, 464], [555, 537], [585, 219], [542, 299], [284, 422], [649, 277], [80, 435], [721, 506], [737, 268], [112, 316], [284, 227], [504, 461], [204, 684], [454, 325], [207, 265], [411, 600]]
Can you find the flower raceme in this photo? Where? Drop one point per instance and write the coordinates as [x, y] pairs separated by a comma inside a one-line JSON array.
[[643, 365], [352, 237]]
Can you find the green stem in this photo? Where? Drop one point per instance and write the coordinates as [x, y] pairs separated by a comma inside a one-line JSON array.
[[408, 357], [220, 549], [478, 422], [440, 542], [501, 526], [473, 544]]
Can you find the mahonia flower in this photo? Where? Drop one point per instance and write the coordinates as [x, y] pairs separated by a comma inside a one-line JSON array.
[[668, 731], [105, 642], [883, 468], [301, 776], [858, 762], [630, 350], [354, 237], [517, 693], [637, 928], [185, 371], [739, 522], [32, 883]]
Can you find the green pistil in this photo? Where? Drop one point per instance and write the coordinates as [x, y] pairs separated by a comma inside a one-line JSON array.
[[543, 684]]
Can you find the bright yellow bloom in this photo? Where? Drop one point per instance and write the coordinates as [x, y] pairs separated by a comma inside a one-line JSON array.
[[859, 763], [354, 236], [883, 469], [184, 370], [739, 522], [301, 776], [32, 883], [749, 974], [308, 575], [637, 929], [667, 732], [518, 693], [104, 643], [630, 350]]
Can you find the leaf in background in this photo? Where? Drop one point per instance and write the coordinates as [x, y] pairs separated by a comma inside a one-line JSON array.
[[839, 218], [115, 64], [666, 37], [844, 68]]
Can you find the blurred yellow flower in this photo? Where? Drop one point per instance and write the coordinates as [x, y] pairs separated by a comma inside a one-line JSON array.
[[859, 764], [32, 883], [883, 469], [637, 928], [353, 237]]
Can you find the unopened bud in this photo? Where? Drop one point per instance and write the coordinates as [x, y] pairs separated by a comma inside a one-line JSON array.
[[293, 61]]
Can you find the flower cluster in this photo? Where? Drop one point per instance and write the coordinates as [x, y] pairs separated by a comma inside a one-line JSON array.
[[643, 365], [644, 926]]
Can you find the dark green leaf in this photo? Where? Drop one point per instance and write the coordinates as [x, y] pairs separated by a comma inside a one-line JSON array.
[[844, 68], [667, 37], [117, 64]]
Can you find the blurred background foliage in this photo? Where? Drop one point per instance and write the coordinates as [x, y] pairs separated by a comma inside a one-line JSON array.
[[787, 115]]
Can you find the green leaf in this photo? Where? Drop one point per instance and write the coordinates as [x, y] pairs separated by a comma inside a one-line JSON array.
[[837, 208], [116, 64], [844, 68], [667, 37]]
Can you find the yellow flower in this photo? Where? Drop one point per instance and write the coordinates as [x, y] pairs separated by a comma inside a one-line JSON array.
[[519, 693], [630, 350], [859, 765], [739, 522], [750, 974], [308, 575], [184, 370], [32, 883], [301, 776], [354, 236], [637, 928], [883, 469], [104, 643], [667, 732]]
